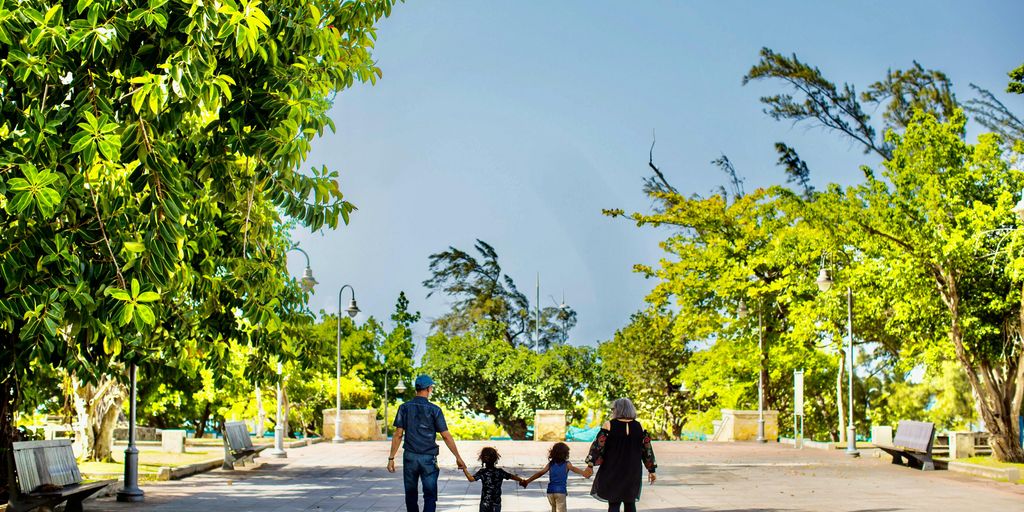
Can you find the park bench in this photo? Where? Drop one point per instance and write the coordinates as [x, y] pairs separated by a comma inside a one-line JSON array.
[[913, 442], [237, 445], [47, 475]]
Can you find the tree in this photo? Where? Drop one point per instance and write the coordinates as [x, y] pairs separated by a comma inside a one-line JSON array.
[[482, 372], [131, 127], [648, 358], [840, 109], [1016, 84], [480, 292], [920, 259], [937, 209]]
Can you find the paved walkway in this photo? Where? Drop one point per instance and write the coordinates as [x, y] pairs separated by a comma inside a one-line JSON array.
[[692, 477]]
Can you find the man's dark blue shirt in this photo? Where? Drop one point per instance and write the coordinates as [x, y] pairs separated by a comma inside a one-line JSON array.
[[422, 421]]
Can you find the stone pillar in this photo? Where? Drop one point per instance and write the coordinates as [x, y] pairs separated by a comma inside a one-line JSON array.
[[742, 426], [172, 441], [961, 445], [356, 425], [881, 435], [549, 425]]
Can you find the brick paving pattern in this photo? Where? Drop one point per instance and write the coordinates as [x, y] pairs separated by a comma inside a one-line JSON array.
[[693, 476]]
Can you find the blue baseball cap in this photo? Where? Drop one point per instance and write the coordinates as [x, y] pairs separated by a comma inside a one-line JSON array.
[[423, 382]]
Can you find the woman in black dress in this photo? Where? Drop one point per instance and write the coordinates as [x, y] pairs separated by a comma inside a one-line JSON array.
[[620, 450]]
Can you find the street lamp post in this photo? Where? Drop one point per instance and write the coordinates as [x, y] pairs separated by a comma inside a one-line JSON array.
[[400, 388], [131, 493], [762, 370], [824, 283], [278, 450], [352, 311], [760, 377]]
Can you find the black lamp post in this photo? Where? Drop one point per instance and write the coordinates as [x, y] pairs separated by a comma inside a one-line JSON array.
[[352, 310], [131, 493]]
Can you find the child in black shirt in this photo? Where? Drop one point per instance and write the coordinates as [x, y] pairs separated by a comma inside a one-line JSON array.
[[491, 477]]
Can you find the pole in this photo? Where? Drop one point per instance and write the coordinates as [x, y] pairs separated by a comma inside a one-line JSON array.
[[278, 450], [536, 327], [851, 430], [386, 371], [337, 396], [131, 492], [760, 377]]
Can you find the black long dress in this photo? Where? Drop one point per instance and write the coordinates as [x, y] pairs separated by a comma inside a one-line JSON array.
[[620, 454]]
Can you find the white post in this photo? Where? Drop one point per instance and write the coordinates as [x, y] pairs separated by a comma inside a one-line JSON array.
[[278, 450]]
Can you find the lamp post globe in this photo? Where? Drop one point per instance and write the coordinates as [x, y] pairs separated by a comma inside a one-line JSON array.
[[824, 280], [308, 281]]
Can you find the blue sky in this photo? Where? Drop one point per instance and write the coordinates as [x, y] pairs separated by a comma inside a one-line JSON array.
[[517, 122]]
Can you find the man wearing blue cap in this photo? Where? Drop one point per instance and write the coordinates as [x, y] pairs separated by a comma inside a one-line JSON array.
[[418, 421]]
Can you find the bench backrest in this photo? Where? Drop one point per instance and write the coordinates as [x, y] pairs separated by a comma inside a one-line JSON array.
[[45, 462], [915, 434], [237, 435]]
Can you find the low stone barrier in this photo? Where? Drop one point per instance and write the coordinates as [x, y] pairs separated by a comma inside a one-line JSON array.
[[172, 441], [739, 425], [356, 425], [1007, 474], [549, 425], [807, 443]]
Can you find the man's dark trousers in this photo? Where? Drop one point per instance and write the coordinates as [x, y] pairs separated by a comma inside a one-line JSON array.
[[416, 467]]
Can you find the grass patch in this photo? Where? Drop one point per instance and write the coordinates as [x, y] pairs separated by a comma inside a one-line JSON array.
[[150, 460]]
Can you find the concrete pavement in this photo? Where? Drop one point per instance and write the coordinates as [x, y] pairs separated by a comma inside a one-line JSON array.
[[693, 476]]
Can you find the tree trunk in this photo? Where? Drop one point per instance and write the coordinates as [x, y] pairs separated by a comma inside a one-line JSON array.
[[97, 407], [839, 395], [203, 420], [8, 404], [515, 427], [284, 410], [998, 402], [261, 414]]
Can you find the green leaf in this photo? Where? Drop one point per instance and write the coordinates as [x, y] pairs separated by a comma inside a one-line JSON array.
[[118, 294], [148, 297], [135, 287], [111, 345], [127, 313], [135, 247], [145, 314]]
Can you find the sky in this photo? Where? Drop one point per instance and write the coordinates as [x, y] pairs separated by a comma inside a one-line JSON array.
[[517, 122]]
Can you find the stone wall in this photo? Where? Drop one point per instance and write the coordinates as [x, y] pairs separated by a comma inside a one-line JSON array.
[[549, 425], [739, 425], [356, 425]]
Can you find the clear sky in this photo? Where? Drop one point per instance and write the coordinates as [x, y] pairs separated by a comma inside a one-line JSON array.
[[516, 122]]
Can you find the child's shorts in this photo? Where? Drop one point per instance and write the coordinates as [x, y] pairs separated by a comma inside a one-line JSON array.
[[557, 502]]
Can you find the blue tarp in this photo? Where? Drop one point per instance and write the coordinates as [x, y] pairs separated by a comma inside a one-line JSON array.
[[580, 434]]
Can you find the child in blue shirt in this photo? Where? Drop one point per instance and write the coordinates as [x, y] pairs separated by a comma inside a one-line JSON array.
[[559, 467]]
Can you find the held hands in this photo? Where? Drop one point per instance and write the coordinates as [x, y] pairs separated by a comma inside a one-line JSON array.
[[524, 483], [460, 463], [589, 472], [651, 477]]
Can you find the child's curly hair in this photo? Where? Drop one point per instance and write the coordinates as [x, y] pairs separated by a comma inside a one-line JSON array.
[[489, 456], [559, 453]]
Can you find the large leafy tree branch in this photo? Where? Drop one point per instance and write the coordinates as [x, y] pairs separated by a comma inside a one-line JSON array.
[[481, 292], [132, 134]]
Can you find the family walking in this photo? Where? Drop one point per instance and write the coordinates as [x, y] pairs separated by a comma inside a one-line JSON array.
[[620, 452]]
